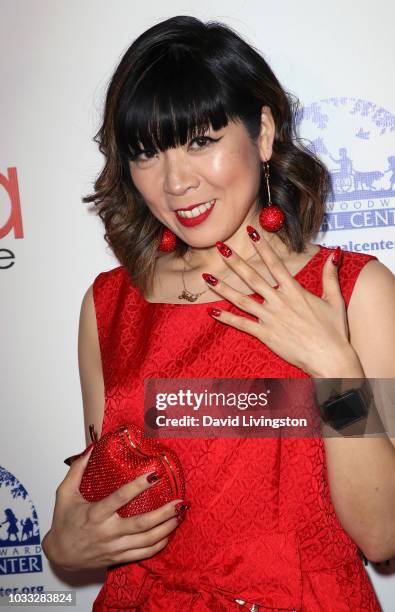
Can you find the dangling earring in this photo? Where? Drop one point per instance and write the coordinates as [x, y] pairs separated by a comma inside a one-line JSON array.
[[168, 241], [271, 217]]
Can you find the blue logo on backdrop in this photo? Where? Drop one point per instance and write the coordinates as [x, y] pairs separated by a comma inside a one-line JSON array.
[[20, 549], [355, 140]]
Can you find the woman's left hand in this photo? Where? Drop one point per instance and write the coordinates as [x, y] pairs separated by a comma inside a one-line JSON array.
[[307, 331]]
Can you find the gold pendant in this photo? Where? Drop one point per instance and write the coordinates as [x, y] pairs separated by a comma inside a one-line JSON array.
[[186, 295]]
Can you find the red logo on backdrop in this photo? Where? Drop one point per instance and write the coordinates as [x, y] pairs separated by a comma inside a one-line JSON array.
[[14, 221]]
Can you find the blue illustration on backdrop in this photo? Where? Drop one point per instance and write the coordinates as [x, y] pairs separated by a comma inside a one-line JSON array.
[[355, 140], [20, 549]]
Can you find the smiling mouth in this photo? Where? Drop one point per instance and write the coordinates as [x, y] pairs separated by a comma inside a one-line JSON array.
[[196, 211]]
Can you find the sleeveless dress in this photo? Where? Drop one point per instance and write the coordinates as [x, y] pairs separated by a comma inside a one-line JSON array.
[[261, 528]]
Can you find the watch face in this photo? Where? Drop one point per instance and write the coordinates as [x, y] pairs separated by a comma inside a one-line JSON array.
[[345, 410]]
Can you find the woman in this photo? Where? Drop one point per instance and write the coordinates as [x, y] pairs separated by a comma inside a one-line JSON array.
[[195, 120]]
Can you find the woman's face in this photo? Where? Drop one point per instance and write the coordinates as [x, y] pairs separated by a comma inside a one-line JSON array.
[[224, 172]]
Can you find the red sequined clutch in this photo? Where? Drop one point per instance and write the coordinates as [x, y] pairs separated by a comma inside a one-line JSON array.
[[124, 454]]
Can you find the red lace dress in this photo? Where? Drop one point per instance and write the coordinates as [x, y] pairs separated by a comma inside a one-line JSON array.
[[261, 527]]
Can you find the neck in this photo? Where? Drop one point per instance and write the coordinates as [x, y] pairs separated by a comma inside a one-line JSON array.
[[240, 242]]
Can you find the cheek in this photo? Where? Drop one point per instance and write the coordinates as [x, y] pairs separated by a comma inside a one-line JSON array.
[[145, 184], [138, 180], [235, 169]]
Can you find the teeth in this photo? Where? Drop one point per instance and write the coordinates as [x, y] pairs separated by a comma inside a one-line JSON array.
[[195, 212]]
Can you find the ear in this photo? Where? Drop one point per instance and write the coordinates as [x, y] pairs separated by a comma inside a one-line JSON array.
[[266, 135]]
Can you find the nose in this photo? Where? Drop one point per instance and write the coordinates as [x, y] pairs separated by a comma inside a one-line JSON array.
[[178, 173]]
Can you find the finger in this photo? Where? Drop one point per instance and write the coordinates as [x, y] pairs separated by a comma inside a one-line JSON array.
[[273, 262], [106, 507], [140, 553], [331, 291], [243, 302], [72, 480], [69, 460], [242, 323], [259, 284], [147, 520], [143, 539]]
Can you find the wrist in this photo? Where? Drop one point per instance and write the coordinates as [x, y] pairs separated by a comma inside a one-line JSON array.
[[47, 545], [346, 364], [348, 410], [51, 550]]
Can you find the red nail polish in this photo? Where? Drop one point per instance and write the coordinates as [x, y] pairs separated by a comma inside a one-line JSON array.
[[337, 255], [69, 460], [223, 248], [253, 234], [210, 279], [154, 477], [182, 506], [215, 312]]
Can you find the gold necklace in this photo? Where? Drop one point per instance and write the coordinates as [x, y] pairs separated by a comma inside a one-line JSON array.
[[192, 297]]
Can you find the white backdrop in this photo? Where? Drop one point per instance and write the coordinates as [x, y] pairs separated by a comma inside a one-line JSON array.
[[57, 57]]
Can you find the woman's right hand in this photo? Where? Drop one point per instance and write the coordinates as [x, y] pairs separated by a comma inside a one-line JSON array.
[[86, 535]]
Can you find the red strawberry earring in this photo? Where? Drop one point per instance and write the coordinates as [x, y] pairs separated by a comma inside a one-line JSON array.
[[168, 241], [272, 216]]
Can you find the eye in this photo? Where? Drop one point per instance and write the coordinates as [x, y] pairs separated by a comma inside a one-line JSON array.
[[204, 141], [142, 155], [145, 155]]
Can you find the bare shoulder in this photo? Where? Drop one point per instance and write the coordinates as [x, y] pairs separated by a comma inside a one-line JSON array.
[[90, 366], [371, 319], [375, 285]]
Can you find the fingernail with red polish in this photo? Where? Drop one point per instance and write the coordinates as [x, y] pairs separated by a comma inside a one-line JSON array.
[[336, 257], [154, 477], [223, 248], [253, 234], [214, 312], [182, 506], [69, 460], [210, 279]]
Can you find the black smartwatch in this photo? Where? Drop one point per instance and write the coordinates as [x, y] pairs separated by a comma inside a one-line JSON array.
[[346, 408]]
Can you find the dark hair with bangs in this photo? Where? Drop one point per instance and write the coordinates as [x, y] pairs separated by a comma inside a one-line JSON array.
[[175, 80]]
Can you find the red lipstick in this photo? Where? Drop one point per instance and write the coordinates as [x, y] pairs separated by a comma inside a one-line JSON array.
[[191, 221]]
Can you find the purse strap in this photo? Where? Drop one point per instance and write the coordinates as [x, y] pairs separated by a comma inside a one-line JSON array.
[[93, 433]]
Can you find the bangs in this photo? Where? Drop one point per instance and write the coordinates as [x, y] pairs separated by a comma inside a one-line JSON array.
[[176, 98]]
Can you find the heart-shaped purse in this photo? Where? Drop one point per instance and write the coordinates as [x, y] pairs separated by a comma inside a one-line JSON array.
[[122, 455]]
